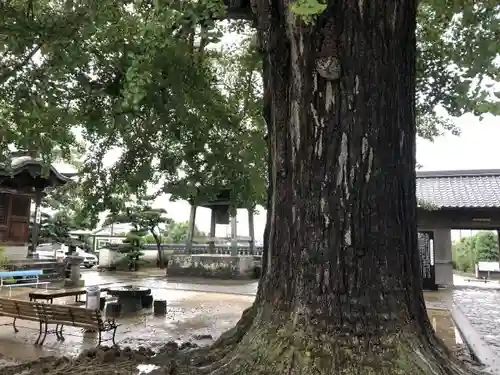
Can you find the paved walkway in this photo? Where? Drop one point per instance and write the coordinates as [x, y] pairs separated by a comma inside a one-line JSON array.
[[195, 307], [190, 314]]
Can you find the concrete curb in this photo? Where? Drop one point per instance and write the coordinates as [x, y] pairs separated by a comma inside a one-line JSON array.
[[479, 349]]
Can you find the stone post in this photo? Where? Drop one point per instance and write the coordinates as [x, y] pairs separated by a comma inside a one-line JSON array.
[[191, 226], [74, 277], [234, 233], [211, 243], [251, 231]]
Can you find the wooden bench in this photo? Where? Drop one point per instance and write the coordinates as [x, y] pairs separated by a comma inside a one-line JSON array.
[[60, 315], [50, 295], [22, 310], [63, 315], [34, 274]]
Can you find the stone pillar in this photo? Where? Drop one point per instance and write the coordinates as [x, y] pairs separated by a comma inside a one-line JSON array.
[[191, 225], [211, 243], [75, 263], [251, 231], [234, 233], [442, 256]]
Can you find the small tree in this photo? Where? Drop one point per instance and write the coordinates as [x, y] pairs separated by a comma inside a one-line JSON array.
[[482, 247], [145, 219], [132, 246], [486, 246]]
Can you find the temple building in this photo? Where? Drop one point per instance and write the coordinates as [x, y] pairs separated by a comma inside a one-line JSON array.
[[23, 181]]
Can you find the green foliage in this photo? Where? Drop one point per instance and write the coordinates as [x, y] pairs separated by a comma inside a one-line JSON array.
[[427, 205], [144, 80], [3, 258], [483, 246], [133, 244], [307, 9], [178, 232], [144, 219], [53, 228]]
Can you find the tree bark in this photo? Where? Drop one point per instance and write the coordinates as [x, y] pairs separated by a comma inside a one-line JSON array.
[[341, 291]]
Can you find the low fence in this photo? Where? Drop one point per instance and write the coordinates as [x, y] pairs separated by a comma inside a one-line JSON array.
[[205, 249]]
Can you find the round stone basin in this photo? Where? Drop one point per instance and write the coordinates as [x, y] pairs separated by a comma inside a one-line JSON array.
[[129, 297], [129, 291]]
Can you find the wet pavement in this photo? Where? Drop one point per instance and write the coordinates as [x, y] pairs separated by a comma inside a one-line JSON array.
[[209, 307], [194, 310], [480, 303]]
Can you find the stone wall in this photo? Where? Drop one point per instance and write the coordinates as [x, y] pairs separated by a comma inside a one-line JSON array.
[[218, 266]]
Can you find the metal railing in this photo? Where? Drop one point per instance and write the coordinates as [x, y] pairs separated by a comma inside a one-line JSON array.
[[205, 249]]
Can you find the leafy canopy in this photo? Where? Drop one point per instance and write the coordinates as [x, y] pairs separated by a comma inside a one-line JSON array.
[[144, 81]]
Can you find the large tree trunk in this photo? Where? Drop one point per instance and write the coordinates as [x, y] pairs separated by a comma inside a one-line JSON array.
[[341, 292]]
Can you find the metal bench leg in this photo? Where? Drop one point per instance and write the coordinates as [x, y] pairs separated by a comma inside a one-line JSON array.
[[40, 333], [57, 332], [14, 325], [113, 337], [61, 337], [44, 334]]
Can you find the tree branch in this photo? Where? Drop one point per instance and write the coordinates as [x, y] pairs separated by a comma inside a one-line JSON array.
[[10, 71], [238, 9]]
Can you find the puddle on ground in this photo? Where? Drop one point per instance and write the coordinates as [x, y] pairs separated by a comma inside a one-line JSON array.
[[189, 315], [146, 369]]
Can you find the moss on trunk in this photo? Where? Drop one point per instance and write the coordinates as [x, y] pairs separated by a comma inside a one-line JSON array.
[[278, 343]]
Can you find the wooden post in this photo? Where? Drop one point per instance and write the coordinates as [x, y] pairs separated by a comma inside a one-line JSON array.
[[160, 307], [192, 219], [211, 243], [251, 231], [36, 224], [234, 233]]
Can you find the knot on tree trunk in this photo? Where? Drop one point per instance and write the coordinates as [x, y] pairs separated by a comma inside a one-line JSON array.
[[328, 67]]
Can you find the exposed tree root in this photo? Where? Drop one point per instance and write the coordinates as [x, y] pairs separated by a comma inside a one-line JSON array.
[[275, 345], [265, 342], [227, 342]]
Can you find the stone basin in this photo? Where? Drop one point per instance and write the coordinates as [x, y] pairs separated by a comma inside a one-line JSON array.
[[129, 297], [129, 291]]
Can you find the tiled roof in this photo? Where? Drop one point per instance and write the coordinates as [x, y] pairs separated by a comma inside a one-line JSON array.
[[21, 163], [470, 188]]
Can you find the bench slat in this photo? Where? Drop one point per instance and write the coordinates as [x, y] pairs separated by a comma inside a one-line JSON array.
[[18, 307], [8, 305], [26, 308], [70, 315]]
